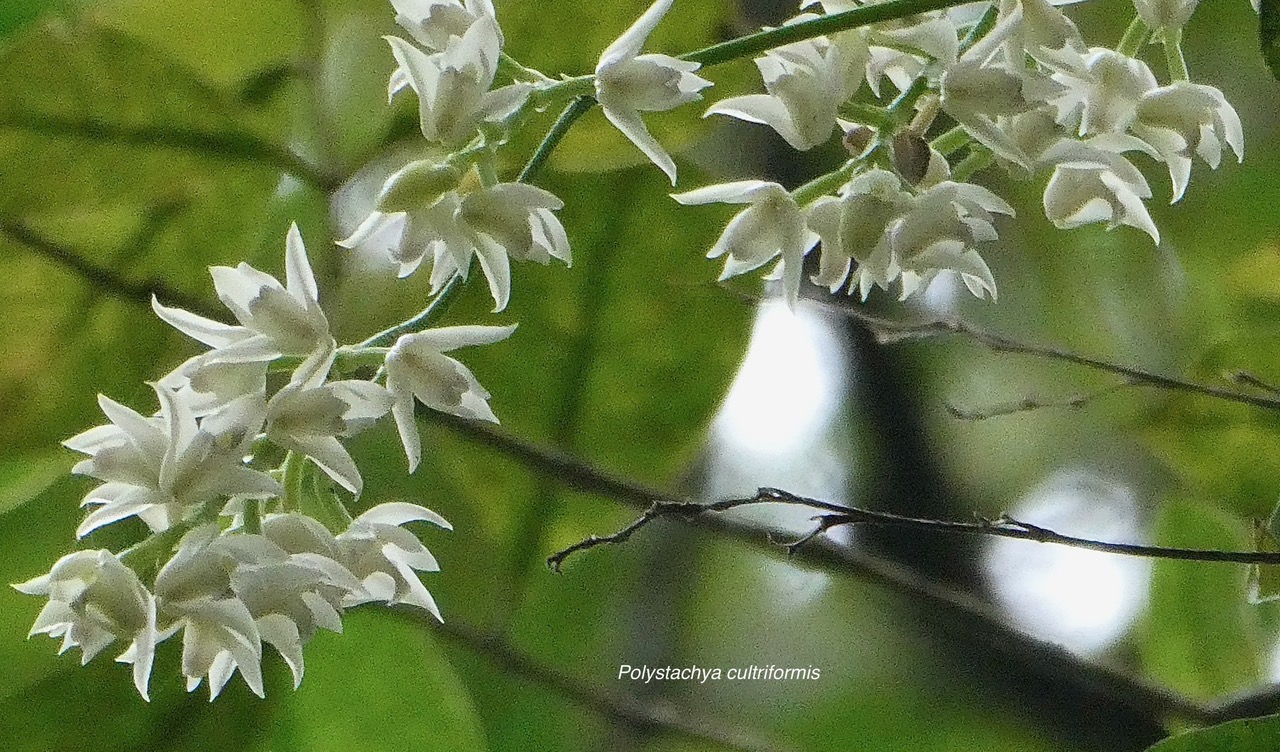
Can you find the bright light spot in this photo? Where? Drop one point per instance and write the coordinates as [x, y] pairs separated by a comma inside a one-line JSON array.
[[788, 387], [1084, 600], [776, 429]]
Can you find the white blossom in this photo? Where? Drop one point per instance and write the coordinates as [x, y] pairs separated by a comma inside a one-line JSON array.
[[417, 368], [308, 415], [939, 233], [807, 82], [161, 468], [773, 226], [628, 83], [386, 557], [1165, 14], [453, 86], [275, 320], [494, 225], [1093, 182], [1103, 97], [94, 600], [433, 22], [1185, 118], [853, 228]]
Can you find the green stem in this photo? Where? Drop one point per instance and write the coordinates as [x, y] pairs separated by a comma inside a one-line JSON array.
[[1173, 54], [576, 109], [763, 41], [1134, 37], [866, 114], [980, 29], [907, 99], [294, 464], [435, 308], [951, 141], [824, 184], [978, 159], [252, 517]]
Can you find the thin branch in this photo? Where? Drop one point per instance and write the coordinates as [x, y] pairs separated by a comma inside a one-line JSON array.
[[961, 615], [242, 147], [1029, 404], [575, 109], [616, 707], [836, 515], [102, 278], [889, 331]]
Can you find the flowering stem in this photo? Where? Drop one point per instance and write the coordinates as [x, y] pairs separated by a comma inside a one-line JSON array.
[[252, 517], [576, 109], [1134, 37], [986, 23], [824, 184], [437, 306], [1173, 54], [866, 15], [951, 141], [978, 159], [293, 466]]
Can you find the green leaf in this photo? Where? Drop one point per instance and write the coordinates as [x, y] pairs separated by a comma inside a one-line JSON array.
[[1200, 637], [23, 479], [384, 684], [1248, 735], [1269, 34]]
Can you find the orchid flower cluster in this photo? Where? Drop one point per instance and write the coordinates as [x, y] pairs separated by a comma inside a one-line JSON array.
[[240, 476]]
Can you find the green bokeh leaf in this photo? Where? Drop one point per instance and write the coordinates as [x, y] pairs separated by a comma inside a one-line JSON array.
[[1200, 636], [1248, 735], [1269, 34], [384, 684]]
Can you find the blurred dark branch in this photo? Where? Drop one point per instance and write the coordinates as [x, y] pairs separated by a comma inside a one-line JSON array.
[[1251, 704], [1028, 404], [836, 515], [234, 146], [661, 717], [103, 278], [963, 616], [889, 331]]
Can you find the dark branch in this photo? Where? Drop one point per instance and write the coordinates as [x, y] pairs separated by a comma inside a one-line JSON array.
[[102, 278], [888, 331], [960, 614], [835, 515], [618, 708], [242, 147]]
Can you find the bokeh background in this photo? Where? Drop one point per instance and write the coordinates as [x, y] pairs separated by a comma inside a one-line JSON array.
[[142, 141]]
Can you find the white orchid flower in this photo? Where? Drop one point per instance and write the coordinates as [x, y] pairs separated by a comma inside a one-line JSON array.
[[773, 226], [1185, 118], [95, 600], [308, 415], [275, 320], [432, 23], [1165, 14], [807, 82], [161, 468], [628, 83], [1103, 97], [386, 557], [417, 368], [1093, 182], [453, 86], [853, 227], [939, 233]]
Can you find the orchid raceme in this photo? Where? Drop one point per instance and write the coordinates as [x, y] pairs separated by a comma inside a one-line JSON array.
[[628, 83]]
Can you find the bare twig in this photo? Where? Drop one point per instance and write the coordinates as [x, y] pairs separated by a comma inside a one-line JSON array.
[[959, 614], [1028, 404], [835, 515], [660, 716], [1244, 378], [105, 279]]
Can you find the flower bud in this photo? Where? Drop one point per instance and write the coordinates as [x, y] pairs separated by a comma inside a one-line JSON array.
[[417, 185]]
